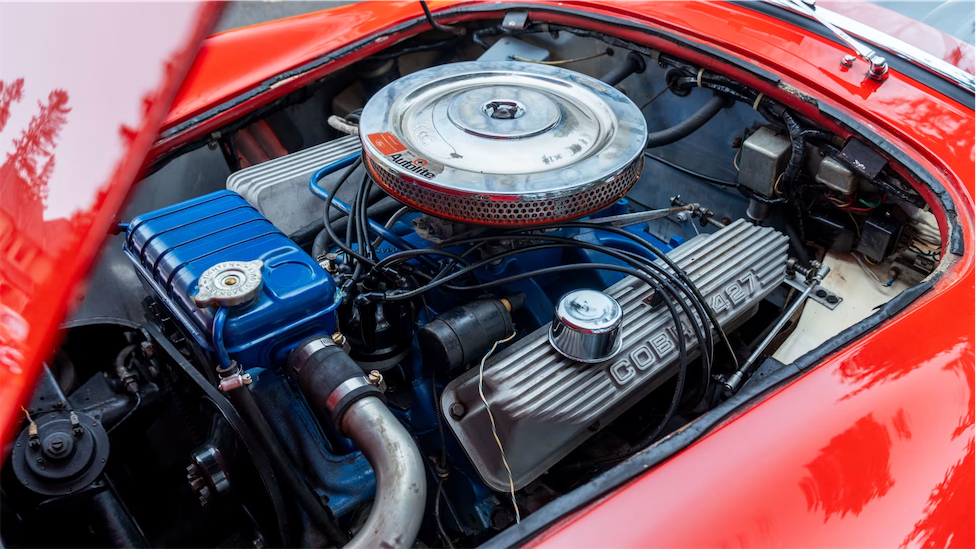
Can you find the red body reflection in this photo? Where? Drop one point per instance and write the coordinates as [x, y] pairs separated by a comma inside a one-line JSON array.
[[82, 96]]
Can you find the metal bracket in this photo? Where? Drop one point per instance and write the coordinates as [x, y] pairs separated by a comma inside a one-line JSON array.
[[515, 20], [820, 294]]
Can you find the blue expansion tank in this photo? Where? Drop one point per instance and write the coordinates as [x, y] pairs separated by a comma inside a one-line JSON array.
[[173, 246]]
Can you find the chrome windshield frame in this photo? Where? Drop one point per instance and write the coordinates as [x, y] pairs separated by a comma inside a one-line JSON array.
[[887, 43]]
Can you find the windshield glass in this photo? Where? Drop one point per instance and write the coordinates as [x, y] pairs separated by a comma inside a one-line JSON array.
[[944, 29]]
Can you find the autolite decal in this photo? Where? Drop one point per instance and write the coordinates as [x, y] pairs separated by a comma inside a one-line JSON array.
[[391, 147]]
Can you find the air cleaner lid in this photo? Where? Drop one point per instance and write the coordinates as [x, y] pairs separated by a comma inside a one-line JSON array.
[[458, 140]]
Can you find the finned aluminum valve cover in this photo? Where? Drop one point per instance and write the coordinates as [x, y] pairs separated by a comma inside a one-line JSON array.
[[545, 405], [503, 142]]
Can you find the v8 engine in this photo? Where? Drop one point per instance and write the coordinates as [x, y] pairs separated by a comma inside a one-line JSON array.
[[460, 295]]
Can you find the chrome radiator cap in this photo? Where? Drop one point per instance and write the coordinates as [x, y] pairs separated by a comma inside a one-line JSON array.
[[503, 142]]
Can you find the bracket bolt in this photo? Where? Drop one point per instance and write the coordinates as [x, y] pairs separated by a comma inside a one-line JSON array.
[[457, 410]]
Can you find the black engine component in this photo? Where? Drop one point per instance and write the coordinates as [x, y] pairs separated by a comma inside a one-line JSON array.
[[464, 334], [831, 229], [881, 232], [379, 334], [60, 452], [862, 158]]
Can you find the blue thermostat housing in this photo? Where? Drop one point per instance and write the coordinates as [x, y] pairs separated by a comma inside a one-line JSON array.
[[173, 246]]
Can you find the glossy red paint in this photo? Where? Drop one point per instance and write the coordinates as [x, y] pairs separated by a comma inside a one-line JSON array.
[[83, 95], [874, 446]]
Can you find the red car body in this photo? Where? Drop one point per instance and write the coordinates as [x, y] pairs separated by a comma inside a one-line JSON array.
[[873, 445]]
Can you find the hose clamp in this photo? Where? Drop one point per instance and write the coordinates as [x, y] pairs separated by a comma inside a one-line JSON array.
[[304, 352], [755, 104], [344, 389], [234, 381]]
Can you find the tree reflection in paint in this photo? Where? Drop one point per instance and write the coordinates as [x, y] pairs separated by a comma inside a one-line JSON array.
[[31, 163], [25, 255], [948, 517], [965, 368], [10, 93], [868, 372], [850, 471]]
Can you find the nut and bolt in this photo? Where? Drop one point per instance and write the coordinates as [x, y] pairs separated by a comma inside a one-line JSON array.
[[341, 342], [197, 484], [375, 378], [832, 299], [821, 293], [457, 410], [878, 69], [57, 446], [848, 61], [204, 496]]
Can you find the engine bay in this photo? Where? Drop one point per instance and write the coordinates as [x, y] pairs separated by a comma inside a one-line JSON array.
[[444, 287]]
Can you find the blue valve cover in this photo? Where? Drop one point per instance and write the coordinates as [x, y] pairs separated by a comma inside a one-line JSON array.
[[173, 246]]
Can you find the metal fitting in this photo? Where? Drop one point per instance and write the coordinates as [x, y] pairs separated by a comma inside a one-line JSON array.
[[76, 428], [878, 68], [344, 388], [375, 378], [341, 341], [197, 484], [128, 379], [328, 262], [234, 381], [147, 349]]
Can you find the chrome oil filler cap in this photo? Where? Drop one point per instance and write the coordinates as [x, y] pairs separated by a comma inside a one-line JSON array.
[[586, 326], [503, 142]]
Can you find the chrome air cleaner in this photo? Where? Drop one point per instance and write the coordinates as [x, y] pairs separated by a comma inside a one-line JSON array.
[[503, 142]]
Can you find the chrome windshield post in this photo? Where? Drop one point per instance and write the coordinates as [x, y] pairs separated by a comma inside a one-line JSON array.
[[877, 64]]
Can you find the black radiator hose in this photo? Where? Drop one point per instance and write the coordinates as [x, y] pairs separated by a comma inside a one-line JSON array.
[[335, 387], [689, 125], [634, 64]]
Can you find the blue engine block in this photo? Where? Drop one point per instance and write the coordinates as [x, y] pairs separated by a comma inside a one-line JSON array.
[[173, 246]]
